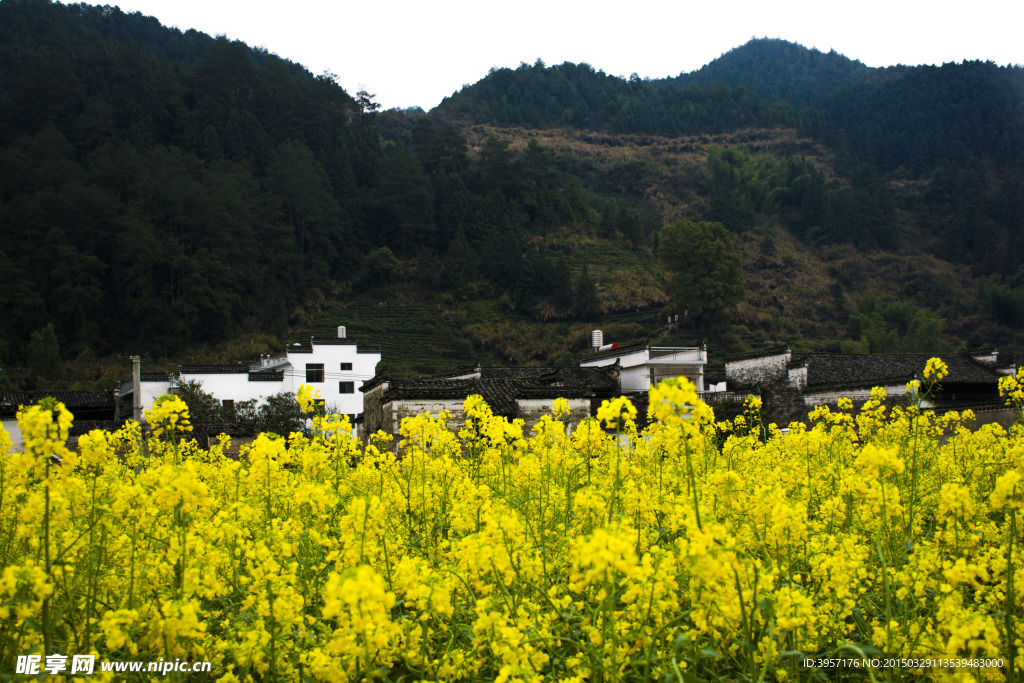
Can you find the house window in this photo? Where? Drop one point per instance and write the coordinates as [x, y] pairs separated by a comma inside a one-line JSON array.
[[229, 404], [346, 387], [346, 366], [314, 372]]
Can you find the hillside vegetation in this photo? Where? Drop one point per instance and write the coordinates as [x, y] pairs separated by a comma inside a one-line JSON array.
[[191, 198]]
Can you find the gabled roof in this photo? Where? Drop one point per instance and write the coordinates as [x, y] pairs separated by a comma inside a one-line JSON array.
[[214, 369], [501, 387], [267, 376], [569, 376], [499, 395], [825, 369], [763, 353], [612, 353], [72, 400], [331, 341]]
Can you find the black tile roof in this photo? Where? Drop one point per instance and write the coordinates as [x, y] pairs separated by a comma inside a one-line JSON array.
[[570, 376], [214, 369], [91, 401], [361, 347], [267, 376], [10, 400], [501, 387], [763, 353], [847, 370], [334, 341], [460, 371], [499, 394], [375, 380]]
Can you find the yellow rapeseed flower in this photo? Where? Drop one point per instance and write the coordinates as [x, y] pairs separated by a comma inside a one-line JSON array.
[[935, 369], [169, 415], [617, 412]]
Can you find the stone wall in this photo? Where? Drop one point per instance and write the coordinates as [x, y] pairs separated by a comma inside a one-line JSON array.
[[531, 411], [373, 411], [858, 396], [389, 416], [401, 409], [757, 371]]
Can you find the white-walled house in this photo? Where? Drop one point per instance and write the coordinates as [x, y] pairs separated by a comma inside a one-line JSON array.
[[152, 386], [91, 410], [643, 366], [813, 379], [336, 367], [511, 392]]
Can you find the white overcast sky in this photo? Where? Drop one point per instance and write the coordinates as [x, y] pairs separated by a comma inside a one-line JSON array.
[[417, 53]]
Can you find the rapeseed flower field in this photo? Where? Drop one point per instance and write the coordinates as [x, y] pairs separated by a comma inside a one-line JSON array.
[[876, 544]]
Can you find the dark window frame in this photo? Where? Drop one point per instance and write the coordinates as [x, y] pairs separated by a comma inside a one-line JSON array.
[[314, 373]]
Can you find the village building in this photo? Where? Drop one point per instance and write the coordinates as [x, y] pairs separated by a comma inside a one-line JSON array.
[[91, 410], [641, 366], [525, 393], [792, 383], [337, 367]]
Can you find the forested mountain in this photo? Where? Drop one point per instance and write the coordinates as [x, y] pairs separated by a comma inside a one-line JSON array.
[[160, 189], [778, 71], [163, 192], [162, 186], [957, 129], [576, 95]]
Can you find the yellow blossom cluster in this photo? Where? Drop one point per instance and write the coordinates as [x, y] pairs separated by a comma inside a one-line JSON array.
[[690, 550], [169, 415]]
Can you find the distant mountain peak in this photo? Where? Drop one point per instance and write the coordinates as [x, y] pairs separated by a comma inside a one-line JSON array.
[[777, 69]]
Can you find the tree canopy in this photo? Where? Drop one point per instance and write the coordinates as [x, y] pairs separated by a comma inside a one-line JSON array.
[[705, 274]]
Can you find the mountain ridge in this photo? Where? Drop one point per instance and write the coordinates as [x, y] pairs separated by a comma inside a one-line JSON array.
[[777, 69], [191, 197]]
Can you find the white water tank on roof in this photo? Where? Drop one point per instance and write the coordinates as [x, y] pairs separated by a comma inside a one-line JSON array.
[[341, 332], [596, 339]]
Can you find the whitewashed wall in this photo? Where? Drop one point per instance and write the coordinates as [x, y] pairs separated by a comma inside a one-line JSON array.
[[232, 386], [364, 367], [531, 410], [11, 425], [633, 376], [857, 395], [750, 372], [150, 391], [237, 386]]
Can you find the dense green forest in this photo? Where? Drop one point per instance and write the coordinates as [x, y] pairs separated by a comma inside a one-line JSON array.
[[163, 192], [577, 95], [164, 189], [958, 129], [777, 71]]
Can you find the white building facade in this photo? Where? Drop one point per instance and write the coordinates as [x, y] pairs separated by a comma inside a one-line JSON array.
[[642, 366], [335, 367]]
